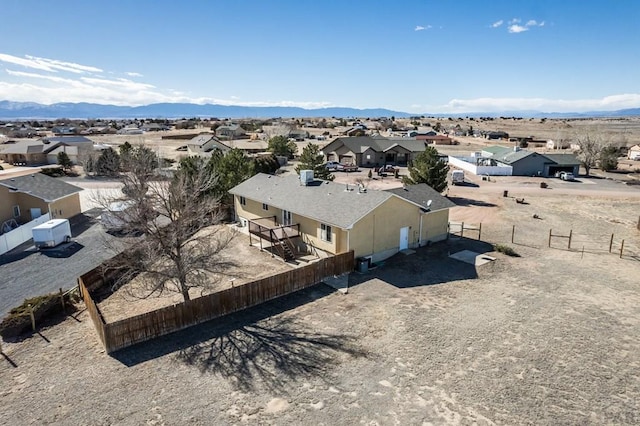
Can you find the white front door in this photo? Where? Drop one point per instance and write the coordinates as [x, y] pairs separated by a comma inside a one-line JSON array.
[[404, 238], [286, 217]]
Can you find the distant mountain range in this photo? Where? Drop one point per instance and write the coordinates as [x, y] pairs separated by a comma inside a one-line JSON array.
[[30, 110]]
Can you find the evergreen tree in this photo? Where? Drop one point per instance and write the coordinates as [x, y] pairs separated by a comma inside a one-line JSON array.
[[428, 168], [108, 164], [311, 159], [64, 160], [280, 145]]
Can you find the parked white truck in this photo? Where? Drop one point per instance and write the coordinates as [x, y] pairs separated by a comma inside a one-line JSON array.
[[51, 233]]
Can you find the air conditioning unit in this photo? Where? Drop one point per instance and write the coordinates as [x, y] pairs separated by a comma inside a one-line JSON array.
[[306, 177]]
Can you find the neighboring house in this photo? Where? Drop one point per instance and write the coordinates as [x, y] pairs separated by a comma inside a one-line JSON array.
[[561, 163], [368, 151], [497, 135], [205, 144], [254, 146], [298, 134], [231, 131], [27, 197], [71, 151], [529, 163], [153, 127], [490, 151], [65, 130], [327, 217], [435, 139], [634, 153]]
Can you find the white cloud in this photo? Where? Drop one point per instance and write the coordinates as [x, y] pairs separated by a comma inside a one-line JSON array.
[[51, 65], [514, 29], [497, 24], [534, 23], [514, 21], [608, 103], [134, 74], [421, 28], [49, 89]]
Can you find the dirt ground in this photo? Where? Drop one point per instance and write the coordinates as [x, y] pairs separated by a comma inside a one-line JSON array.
[[246, 263], [551, 337]]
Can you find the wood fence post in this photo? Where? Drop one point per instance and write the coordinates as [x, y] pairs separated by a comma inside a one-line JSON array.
[[549, 237], [480, 231], [461, 229], [570, 235], [62, 300], [611, 243], [1, 347], [513, 233], [33, 318], [621, 249]]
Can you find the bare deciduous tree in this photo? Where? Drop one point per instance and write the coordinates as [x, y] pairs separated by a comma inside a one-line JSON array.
[[181, 248], [593, 144]]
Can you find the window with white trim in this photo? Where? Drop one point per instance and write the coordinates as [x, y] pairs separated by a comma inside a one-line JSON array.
[[16, 211], [325, 232], [265, 206], [243, 201]]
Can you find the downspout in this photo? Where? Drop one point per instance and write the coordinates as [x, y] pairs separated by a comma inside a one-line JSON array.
[[348, 240], [420, 235]]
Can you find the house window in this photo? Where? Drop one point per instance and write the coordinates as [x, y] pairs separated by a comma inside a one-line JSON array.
[[243, 201], [325, 232], [16, 211], [265, 206]]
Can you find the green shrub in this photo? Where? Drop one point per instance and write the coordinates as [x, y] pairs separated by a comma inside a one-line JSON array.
[[500, 248], [18, 320], [53, 171]]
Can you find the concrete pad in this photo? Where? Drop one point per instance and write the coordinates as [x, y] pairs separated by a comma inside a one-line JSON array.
[[407, 252], [472, 258]]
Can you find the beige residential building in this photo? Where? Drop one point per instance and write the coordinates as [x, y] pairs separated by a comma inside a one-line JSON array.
[[295, 217]]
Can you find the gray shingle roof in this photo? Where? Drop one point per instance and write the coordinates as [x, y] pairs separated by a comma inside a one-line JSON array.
[[324, 201], [565, 159], [360, 144], [40, 186], [420, 194], [512, 156], [72, 140], [496, 149]]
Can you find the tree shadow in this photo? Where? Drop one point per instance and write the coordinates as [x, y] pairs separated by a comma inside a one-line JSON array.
[[256, 345], [427, 266], [461, 201], [82, 222], [270, 353]]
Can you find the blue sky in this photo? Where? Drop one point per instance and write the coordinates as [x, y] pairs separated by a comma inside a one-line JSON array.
[[414, 56]]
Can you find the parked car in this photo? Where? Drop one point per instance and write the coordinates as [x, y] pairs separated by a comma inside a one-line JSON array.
[[333, 166], [568, 176], [349, 168], [387, 168]]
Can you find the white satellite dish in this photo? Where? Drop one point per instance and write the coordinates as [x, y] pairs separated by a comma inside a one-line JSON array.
[[429, 203]]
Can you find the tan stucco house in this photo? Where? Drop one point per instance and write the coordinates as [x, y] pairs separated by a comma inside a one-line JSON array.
[[295, 217], [24, 198]]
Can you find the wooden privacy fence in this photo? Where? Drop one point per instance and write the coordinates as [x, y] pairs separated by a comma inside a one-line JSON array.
[[129, 331]]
